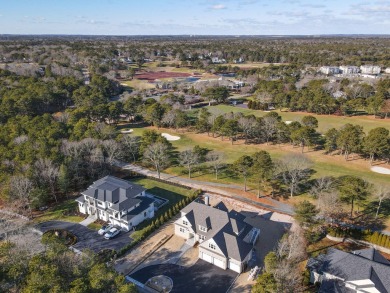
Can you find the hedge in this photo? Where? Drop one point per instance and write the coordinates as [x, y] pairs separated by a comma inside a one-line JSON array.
[[140, 235], [376, 237]]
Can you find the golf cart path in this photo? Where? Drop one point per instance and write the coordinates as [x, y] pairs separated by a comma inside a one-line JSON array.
[[211, 187]]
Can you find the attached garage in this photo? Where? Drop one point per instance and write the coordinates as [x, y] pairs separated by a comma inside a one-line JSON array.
[[207, 257], [234, 267], [218, 263]]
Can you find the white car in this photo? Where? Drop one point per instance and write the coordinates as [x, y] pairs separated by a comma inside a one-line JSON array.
[[104, 229], [112, 233]]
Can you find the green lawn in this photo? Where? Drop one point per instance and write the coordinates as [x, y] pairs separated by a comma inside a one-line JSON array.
[[94, 226], [64, 211], [325, 122]]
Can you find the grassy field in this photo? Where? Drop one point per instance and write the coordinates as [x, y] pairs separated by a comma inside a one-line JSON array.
[[62, 212], [325, 122]]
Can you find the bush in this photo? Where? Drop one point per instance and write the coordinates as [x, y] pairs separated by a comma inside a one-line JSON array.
[[376, 237]]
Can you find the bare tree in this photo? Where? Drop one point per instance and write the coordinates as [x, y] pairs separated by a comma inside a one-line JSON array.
[[382, 192], [321, 185], [328, 204], [157, 154], [111, 150], [20, 188], [217, 161], [131, 145], [293, 169], [246, 125], [188, 159], [269, 127], [46, 173]]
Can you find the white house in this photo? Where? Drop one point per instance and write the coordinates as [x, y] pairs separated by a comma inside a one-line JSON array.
[[225, 239], [370, 69], [346, 69], [387, 70], [329, 70], [361, 271], [117, 201]]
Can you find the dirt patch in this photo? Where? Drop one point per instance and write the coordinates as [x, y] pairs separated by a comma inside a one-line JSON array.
[[189, 258]]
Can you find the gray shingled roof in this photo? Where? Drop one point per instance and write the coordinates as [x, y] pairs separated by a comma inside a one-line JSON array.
[[223, 228], [115, 190], [358, 265]]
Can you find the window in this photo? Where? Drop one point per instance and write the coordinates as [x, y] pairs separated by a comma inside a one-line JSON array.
[[145, 214], [99, 203], [202, 237], [182, 230], [203, 229], [212, 246], [185, 222]]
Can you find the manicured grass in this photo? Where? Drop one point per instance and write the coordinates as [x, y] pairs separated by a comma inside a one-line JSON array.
[[94, 226], [325, 122], [64, 211]]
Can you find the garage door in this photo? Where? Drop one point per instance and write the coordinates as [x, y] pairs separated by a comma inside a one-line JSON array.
[[234, 267], [207, 257], [219, 263]]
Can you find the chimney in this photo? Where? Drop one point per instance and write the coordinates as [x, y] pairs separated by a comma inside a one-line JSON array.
[[207, 200]]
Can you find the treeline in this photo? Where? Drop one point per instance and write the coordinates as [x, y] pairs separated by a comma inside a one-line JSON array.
[[57, 269], [323, 97], [313, 51]]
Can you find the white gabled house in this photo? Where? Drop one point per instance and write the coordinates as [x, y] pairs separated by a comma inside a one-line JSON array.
[[117, 201], [225, 239]]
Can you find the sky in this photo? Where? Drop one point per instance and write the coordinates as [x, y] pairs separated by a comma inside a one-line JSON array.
[[194, 17]]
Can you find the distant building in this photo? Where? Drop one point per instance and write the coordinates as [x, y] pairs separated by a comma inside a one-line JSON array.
[[349, 69], [387, 70], [216, 60], [370, 69], [329, 70], [239, 60]]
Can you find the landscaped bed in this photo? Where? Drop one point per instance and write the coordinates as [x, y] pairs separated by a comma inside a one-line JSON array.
[[62, 235]]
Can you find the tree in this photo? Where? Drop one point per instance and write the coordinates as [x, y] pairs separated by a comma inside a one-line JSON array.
[[46, 174], [381, 192], [331, 137], [351, 189], [270, 262], [305, 212], [154, 114], [131, 145], [350, 139], [304, 136], [230, 129], [157, 154], [242, 166], [218, 94], [310, 121], [216, 160], [111, 151], [294, 169], [377, 143], [265, 283], [262, 169], [188, 159], [20, 188]]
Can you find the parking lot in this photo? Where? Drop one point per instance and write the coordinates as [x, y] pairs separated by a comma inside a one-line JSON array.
[[201, 277], [87, 238]]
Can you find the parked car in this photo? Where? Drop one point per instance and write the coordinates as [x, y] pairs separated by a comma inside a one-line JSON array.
[[112, 233], [104, 229]]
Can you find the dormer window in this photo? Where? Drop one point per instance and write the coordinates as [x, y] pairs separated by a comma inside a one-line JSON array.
[[185, 222], [212, 246], [202, 228]]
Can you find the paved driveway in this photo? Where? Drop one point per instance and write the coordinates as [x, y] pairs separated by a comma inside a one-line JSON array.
[[87, 238], [201, 277]]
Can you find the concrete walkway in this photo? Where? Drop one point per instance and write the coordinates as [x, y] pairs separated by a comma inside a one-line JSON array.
[[88, 220], [211, 187]]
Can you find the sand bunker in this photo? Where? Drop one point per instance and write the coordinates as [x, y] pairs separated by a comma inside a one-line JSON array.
[[288, 122], [127, 131], [381, 170], [170, 137]]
